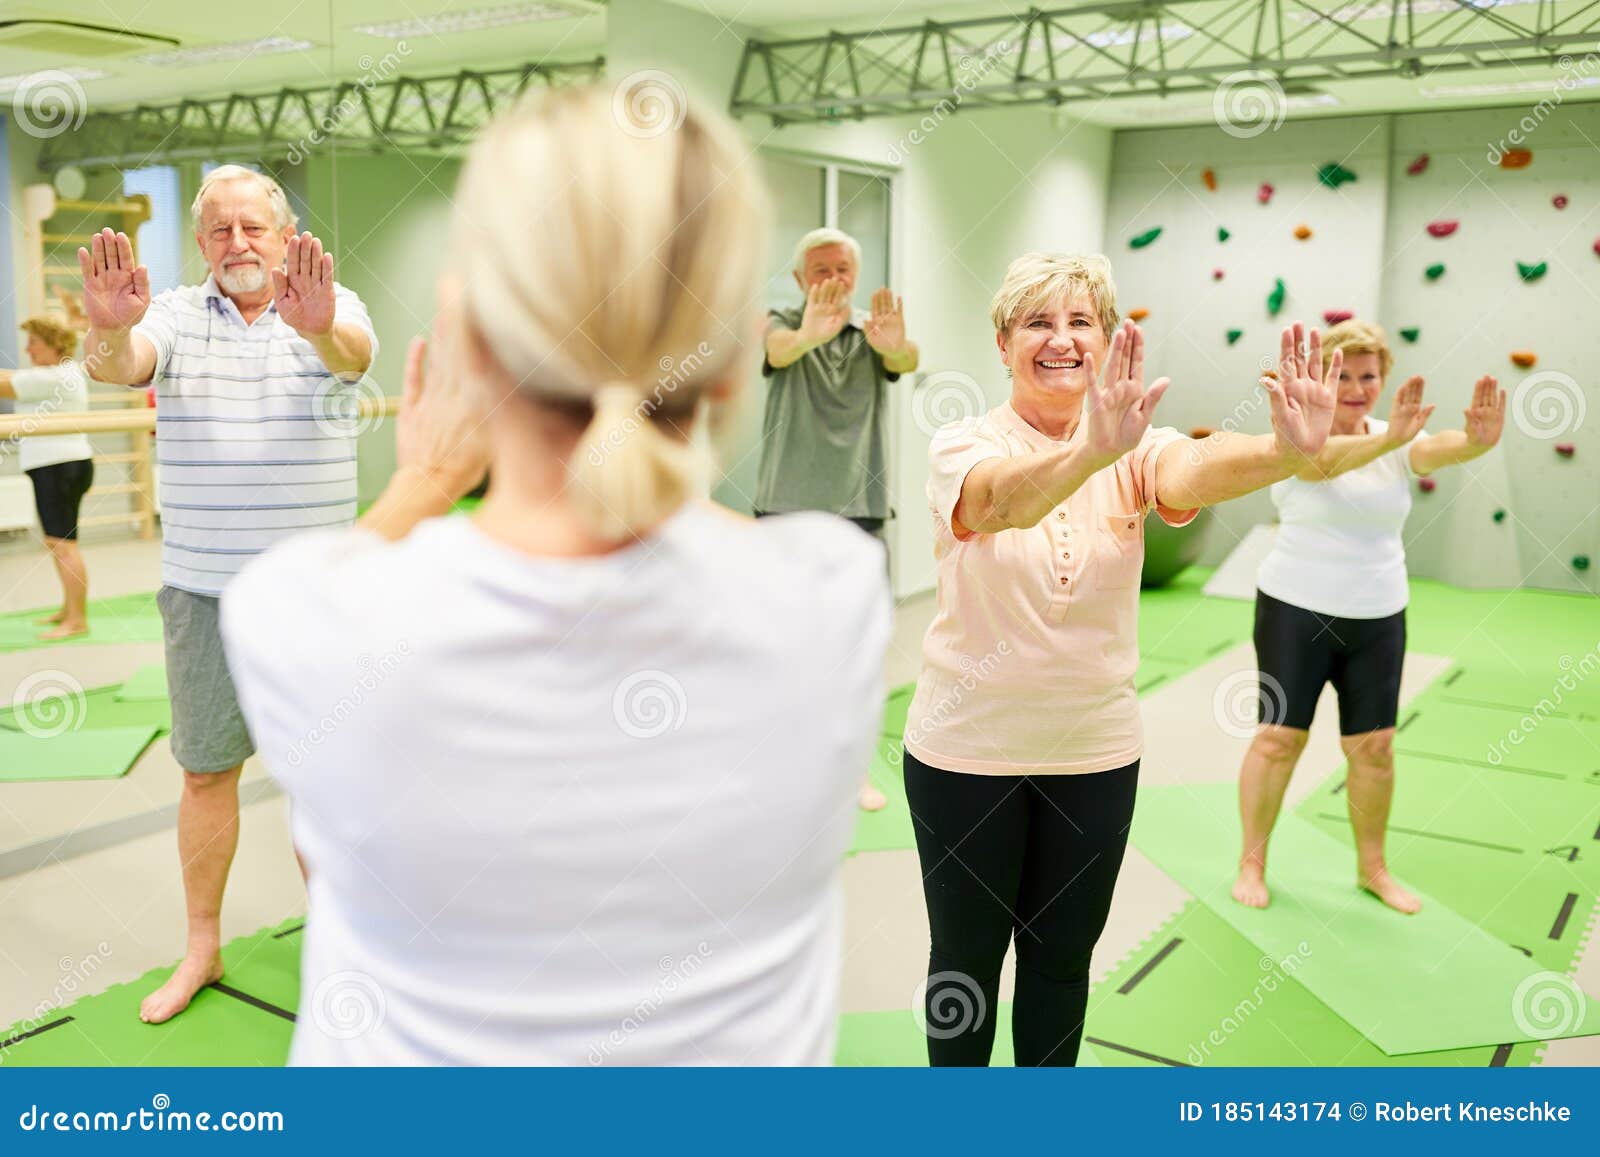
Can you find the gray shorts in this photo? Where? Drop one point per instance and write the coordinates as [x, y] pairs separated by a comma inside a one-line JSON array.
[[208, 729]]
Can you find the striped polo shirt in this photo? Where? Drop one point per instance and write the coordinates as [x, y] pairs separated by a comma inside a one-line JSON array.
[[253, 440]]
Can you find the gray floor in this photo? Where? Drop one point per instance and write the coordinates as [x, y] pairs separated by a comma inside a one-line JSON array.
[[88, 870]]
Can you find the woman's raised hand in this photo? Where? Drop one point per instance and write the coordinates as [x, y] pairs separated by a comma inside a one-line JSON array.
[[1407, 414], [1302, 397], [1118, 408]]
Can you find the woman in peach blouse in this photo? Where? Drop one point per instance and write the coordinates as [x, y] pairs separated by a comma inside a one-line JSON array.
[[1022, 745]]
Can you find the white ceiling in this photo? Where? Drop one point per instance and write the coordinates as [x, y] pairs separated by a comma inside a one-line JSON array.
[[340, 52]]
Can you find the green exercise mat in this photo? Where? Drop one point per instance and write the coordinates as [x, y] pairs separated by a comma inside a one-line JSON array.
[[888, 829], [145, 683], [1516, 855], [1476, 736], [1556, 692], [97, 710], [1446, 983], [1182, 624], [1198, 993], [242, 1021], [89, 753], [893, 1040], [124, 619], [895, 708]]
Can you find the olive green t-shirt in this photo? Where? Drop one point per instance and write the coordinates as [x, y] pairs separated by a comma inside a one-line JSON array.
[[822, 434]]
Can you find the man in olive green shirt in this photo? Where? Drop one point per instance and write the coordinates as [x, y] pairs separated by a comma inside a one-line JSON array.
[[823, 443]]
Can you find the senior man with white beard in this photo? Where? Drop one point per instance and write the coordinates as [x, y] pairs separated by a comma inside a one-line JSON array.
[[253, 372]]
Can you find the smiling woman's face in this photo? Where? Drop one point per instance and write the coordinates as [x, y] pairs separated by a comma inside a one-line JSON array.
[[1360, 383], [1046, 347]]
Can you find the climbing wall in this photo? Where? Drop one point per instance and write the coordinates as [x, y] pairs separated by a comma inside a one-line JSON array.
[[1369, 250]]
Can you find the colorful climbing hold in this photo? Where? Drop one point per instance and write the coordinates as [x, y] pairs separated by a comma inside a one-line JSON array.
[[1442, 228], [1417, 167], [1426, 485], [1234, 335], [1523, 358], [1559, 200], [1216, 275], [1210, 178], [1144, 238], [1222, 234], [1303, 232], [1566, 449], [1532, 272], [1516, 159], [1500, 516], [1275, 298], [1335, 316], [1580, 562], [1434, 272], [1597, 246], [1334, 174], [1411, 333], [1264, 194], [1138, 314]]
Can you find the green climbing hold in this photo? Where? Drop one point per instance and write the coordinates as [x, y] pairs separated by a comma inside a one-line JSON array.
[[1411, 334], [1434, 272], [1144, 238], [1580, 562], [1275, 298], [1532, 272], [1222, 234], [1333, 175], [1234, 335], [1499, 516]]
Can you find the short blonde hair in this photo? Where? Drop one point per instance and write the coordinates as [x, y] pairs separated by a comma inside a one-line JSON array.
[[53, 333], [612, 274], [1357, 337], [817, 238], [283, 216], [1037, 279]]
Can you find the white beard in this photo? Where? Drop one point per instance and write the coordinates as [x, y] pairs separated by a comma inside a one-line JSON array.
[[243, 279]]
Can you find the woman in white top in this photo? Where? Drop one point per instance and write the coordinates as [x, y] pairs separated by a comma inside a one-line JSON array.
[[60, 466], [573, 777], [1331, 599]]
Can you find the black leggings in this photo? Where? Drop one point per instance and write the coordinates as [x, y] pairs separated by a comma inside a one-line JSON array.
[[1034, 858]]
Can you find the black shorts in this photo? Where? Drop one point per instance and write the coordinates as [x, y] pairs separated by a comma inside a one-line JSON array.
[[58, 492], [1297, 651]]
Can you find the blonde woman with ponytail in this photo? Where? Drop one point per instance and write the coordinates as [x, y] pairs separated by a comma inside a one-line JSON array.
[[572, 777]]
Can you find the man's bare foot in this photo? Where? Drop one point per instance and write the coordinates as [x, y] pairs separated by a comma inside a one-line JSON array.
[[1250, 889], [66, 631], [871, 799], [1382, 885], [174, 996], [50, 620]]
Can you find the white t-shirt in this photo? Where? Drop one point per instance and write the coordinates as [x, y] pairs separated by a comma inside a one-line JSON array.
[[45, 390], [568, 811], [1338, 549]]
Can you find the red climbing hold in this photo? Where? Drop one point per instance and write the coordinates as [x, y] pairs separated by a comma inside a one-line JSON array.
[[1442, 228], [1566, 449], [1264, 194], [1335, 316]]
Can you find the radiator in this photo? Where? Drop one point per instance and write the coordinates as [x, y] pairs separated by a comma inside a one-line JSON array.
[[16, 503]]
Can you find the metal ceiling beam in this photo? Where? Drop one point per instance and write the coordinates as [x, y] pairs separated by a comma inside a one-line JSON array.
[[430, 112], [1125, 48]]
